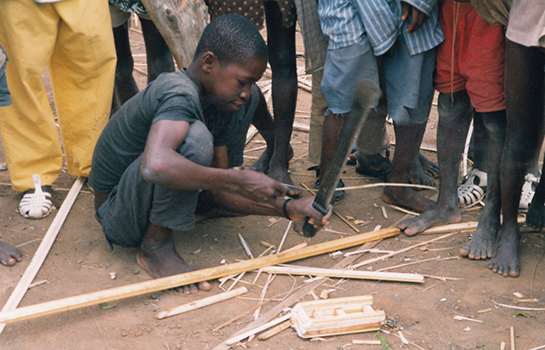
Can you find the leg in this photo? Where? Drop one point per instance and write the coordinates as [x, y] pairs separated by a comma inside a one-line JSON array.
[[454, 119], [524, 81], [483, 242], [158, 55], [9, 255], [333, 125], [125, 86], [281, 42], [408, 139]]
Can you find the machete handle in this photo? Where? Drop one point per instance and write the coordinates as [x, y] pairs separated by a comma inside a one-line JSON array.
[[308, 229]]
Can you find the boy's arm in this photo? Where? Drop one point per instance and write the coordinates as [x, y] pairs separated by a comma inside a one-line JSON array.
[[163, 165]]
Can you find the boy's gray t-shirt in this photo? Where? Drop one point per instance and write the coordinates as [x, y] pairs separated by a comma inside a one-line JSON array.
[[172, 96]]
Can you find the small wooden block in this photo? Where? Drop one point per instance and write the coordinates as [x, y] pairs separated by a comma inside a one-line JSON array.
[[336, 316]]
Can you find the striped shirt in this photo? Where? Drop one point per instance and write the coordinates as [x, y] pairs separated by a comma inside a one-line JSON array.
[[347, 22]]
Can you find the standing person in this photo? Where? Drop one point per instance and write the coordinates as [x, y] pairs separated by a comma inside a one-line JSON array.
[[158, 56], [165, 153], [382, 41], [281, 19], [73, 39], [9, 255]]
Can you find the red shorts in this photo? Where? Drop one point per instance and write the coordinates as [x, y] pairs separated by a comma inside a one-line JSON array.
[[477, 64]]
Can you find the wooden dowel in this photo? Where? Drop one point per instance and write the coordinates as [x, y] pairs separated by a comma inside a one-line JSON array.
[[42, 251], [94, 298], [201, 303], [512, 337], [366, 275]]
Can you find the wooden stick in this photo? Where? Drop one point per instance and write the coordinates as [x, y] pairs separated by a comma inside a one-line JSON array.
[[201, 303], [365, 275], [183, 279], [256, 330], [270, 278], [275, 330], [42, 251], [512, 337], [346, 221]]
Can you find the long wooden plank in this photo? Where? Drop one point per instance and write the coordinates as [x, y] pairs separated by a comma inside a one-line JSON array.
[[201, 303], [76, 302], [42, 251], [338, 273]]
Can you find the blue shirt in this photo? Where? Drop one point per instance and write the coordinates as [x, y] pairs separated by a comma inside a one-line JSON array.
[[347, 22]]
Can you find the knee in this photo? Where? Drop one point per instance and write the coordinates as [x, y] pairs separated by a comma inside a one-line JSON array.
[[198, 146], [453, 106], [495, 123]]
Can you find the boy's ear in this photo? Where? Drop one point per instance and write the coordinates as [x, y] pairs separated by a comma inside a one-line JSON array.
[[208, 60]]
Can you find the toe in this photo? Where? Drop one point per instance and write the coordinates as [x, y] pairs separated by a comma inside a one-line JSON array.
[[204, 286]]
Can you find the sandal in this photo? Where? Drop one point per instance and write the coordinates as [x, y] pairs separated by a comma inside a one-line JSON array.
[[364, 165], [339, 194], [528, 191], [36, 205], [473, 190]]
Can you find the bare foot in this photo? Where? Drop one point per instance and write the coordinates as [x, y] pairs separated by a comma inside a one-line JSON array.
[[407, 198], [262, 163], [418, 175], [9, 255], [162, 260], [431, 168], [428, 219], [505, 261], [482, 245]]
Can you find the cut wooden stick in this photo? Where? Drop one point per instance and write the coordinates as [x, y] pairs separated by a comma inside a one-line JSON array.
[[275, 330], [270, 278], [366, 275], [512, 337], [42, 251], [256, 330], [346, 221], [183, 279], [201, 303]]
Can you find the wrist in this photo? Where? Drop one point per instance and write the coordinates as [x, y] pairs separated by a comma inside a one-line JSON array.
[[285, 208]]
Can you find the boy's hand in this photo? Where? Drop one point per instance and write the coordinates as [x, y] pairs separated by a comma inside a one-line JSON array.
[[259, 187], [299, 209], [417, 17]]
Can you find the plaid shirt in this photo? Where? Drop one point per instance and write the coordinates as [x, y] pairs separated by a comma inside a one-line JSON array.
[[347, 22]]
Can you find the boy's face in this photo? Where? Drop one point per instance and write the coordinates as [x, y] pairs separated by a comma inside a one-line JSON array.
[[231, 83]]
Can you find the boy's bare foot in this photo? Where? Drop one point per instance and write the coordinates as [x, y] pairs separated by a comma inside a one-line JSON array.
[[407, 198], [9, 255], [431, 168], [158, 256], [482, 245], [505, 261], [422, 170], [430, 218]]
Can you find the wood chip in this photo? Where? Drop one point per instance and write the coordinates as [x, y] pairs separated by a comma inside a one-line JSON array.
[[462, 318]]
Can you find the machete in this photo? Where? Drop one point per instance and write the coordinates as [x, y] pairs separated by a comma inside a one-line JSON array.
[[366, 98]]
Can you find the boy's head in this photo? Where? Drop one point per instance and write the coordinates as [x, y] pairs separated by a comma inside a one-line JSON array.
[[230, 58], [232, 39]]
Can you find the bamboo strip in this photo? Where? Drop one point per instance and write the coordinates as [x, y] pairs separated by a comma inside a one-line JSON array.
[[42, 251], [367, 275]]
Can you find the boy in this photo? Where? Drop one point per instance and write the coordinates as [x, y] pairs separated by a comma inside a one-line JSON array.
[[166, 147], [391, 42]]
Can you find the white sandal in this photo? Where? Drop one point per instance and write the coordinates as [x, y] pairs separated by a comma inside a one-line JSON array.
[[36, 205], [528, 191], [473, 190]]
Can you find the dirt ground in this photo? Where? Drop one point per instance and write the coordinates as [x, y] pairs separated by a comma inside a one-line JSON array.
[[80, 262]]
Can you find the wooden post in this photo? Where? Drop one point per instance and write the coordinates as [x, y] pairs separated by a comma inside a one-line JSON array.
[[42, 251], [76, 302], [181, 24]]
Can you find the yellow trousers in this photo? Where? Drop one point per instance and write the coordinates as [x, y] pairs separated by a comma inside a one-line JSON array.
[[73, 39]]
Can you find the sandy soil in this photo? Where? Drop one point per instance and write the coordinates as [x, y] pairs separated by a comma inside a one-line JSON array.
[[80, 262]]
